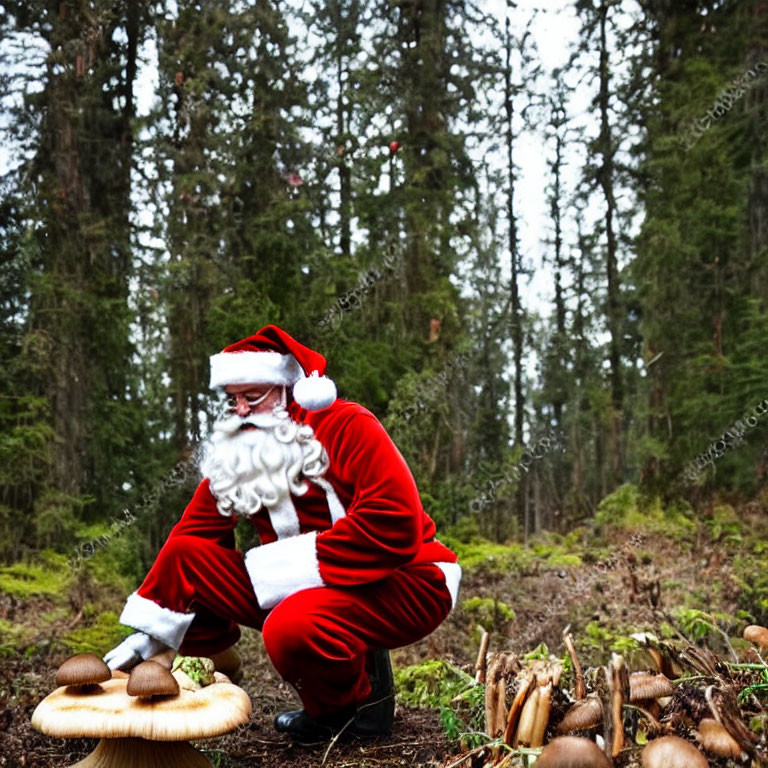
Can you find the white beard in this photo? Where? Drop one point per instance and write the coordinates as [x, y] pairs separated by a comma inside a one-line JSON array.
[[252, 468]]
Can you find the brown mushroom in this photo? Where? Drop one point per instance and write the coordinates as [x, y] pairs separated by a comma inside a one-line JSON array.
[[672, 752], [583, 715], [151, 679], [84, 669], [645, 686], [716, 739], [572, 752], [142, 732], [756, 634]]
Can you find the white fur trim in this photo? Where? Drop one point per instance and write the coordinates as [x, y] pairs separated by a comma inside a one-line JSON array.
[[452, 573], [335, 506], [314, 392], [283, 567], [254, 368], [284, 518], [161, 623]]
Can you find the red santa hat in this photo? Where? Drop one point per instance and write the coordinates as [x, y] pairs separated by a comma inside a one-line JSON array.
[[271, 356]]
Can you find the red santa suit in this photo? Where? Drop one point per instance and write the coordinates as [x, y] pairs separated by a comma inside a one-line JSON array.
[[349, 565]]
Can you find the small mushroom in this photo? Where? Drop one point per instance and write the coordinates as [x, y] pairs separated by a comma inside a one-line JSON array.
[[572, 752], [151, 679], [756, 634], [644, 686], [583, 715], [672, 752], [84, 669], [716, 739]]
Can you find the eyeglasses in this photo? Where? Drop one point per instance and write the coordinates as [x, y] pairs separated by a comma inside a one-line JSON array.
[[251, 402]]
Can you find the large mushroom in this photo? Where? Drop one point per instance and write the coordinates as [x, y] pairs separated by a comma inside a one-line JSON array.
[[572, 752], [672, 752], [716, 739], [757, 635], [143, 732]]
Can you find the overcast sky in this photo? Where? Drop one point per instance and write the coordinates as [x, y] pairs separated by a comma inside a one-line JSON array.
[[555, 31]]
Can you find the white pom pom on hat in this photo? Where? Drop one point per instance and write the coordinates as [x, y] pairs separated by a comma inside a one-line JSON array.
[[272, 356], [314, 392]]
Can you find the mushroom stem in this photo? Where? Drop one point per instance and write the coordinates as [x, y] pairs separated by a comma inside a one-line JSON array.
[[501, 705], [480, 664], [619, 685], [491, 698], [542, 715], [578, 689], [165, 658], [526, 683], [141, 753]]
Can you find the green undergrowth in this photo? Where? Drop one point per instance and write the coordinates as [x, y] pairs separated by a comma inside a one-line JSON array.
[[13, 636], [492, 615], [627, 509], [546, 551], [101, 633], [47, 576], [437, 684], [67, 606]]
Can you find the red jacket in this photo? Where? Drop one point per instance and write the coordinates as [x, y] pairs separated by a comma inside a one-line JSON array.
[[357, 524]]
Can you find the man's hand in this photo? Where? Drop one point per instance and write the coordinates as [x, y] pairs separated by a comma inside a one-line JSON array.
[[132, 650]]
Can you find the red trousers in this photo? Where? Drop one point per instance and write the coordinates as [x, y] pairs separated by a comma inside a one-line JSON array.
[[316, 638]]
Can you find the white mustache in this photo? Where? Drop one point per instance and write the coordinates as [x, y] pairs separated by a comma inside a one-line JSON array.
[[230, 425]]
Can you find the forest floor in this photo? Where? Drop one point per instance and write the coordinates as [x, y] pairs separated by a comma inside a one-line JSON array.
[[700, 576]]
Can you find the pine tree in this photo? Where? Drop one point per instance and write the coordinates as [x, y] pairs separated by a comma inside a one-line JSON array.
[[699, 256], [72, 199]]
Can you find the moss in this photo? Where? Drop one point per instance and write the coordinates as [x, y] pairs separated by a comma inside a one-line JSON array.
[[104, 633], [14, 638], [485, 554], [488, 613], [48, 576]]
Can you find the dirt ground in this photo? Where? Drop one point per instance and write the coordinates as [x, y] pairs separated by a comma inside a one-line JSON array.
[[417, 738], [633, 587]]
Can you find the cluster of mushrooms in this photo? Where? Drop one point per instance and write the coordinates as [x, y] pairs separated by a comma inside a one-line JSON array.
[[146, 718], [683, 719]]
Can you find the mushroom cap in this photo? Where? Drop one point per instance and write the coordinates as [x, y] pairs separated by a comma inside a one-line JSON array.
[[583, 715], [151, 679], [647, 685], [716, 739], [756, 634], [672, 752], [83, 669], [572, 752], [111, 713]]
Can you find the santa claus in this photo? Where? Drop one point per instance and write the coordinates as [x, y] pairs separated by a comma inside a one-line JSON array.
[[348, 564]]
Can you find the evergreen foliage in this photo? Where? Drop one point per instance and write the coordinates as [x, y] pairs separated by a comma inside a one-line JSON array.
[[348, 170]]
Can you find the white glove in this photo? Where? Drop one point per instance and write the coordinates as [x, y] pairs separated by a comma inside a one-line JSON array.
[[132, 650]]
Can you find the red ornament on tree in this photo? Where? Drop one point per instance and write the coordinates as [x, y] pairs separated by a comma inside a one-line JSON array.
[[394, 146]]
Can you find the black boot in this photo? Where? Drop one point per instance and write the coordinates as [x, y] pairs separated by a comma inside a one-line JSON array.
[[374, 717], [309, 730]]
